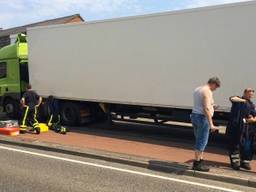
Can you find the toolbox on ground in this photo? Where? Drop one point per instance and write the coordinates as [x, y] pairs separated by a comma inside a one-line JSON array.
[[9, 127]]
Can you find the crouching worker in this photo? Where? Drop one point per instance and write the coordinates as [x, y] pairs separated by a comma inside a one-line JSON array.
[[241, 130], [54, 121], [30, 103]]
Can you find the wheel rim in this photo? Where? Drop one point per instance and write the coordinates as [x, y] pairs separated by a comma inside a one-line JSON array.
[[9, 108], [68, 115]]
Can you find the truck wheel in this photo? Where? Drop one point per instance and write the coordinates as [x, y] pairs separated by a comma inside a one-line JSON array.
[[70, 114], [12, 108], [43, 113]]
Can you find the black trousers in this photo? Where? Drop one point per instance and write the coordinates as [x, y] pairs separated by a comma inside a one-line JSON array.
[[241, 142], [54, 121], [29, 118]]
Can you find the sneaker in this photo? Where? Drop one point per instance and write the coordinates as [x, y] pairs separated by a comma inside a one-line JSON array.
[[199, 166], [37, 129], [63, 130], [246, 165]]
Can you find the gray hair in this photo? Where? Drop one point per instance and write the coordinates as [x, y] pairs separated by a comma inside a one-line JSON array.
[[214, 80]]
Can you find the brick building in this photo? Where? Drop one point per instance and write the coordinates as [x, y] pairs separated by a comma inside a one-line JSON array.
[[8, 36]]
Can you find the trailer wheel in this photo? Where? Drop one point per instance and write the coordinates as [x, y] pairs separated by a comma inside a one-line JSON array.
[[70, 114], [12, 108]]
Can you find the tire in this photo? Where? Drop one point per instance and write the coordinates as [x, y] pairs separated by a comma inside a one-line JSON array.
[[70, 113], [43, 112], [12, 108]]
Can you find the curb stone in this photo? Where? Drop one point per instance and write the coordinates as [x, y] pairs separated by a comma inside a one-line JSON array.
[[185, 169], [76, 152]]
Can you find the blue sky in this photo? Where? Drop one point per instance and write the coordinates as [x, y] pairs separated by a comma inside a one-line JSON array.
[[20, 12]]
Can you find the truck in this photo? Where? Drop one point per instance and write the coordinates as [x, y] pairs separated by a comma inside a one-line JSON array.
[[135, 68], [13, 75]]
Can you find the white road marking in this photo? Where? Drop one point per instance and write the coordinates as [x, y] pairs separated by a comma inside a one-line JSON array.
[[118, 169]]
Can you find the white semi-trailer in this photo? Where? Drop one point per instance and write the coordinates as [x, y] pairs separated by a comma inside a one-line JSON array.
[[145, 66]]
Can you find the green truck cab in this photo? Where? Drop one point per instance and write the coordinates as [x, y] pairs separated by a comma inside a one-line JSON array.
[[13, 75]]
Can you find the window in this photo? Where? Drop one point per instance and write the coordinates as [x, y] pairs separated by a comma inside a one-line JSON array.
[[3, 70], [24, 72], [4, 41]]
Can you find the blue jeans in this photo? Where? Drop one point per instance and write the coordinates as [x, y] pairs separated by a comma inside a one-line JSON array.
[[201, 131]]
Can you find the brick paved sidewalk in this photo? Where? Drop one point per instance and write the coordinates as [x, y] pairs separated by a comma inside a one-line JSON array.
[[169, 151]]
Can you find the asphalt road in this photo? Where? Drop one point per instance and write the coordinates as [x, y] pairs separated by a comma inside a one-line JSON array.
[[25, 170]]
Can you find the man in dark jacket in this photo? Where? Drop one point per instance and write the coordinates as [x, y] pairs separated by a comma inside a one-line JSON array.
[[241, 130], [54, 121], [30, 102]]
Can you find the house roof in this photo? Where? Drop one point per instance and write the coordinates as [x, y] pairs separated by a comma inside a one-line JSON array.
[[21, 29]]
